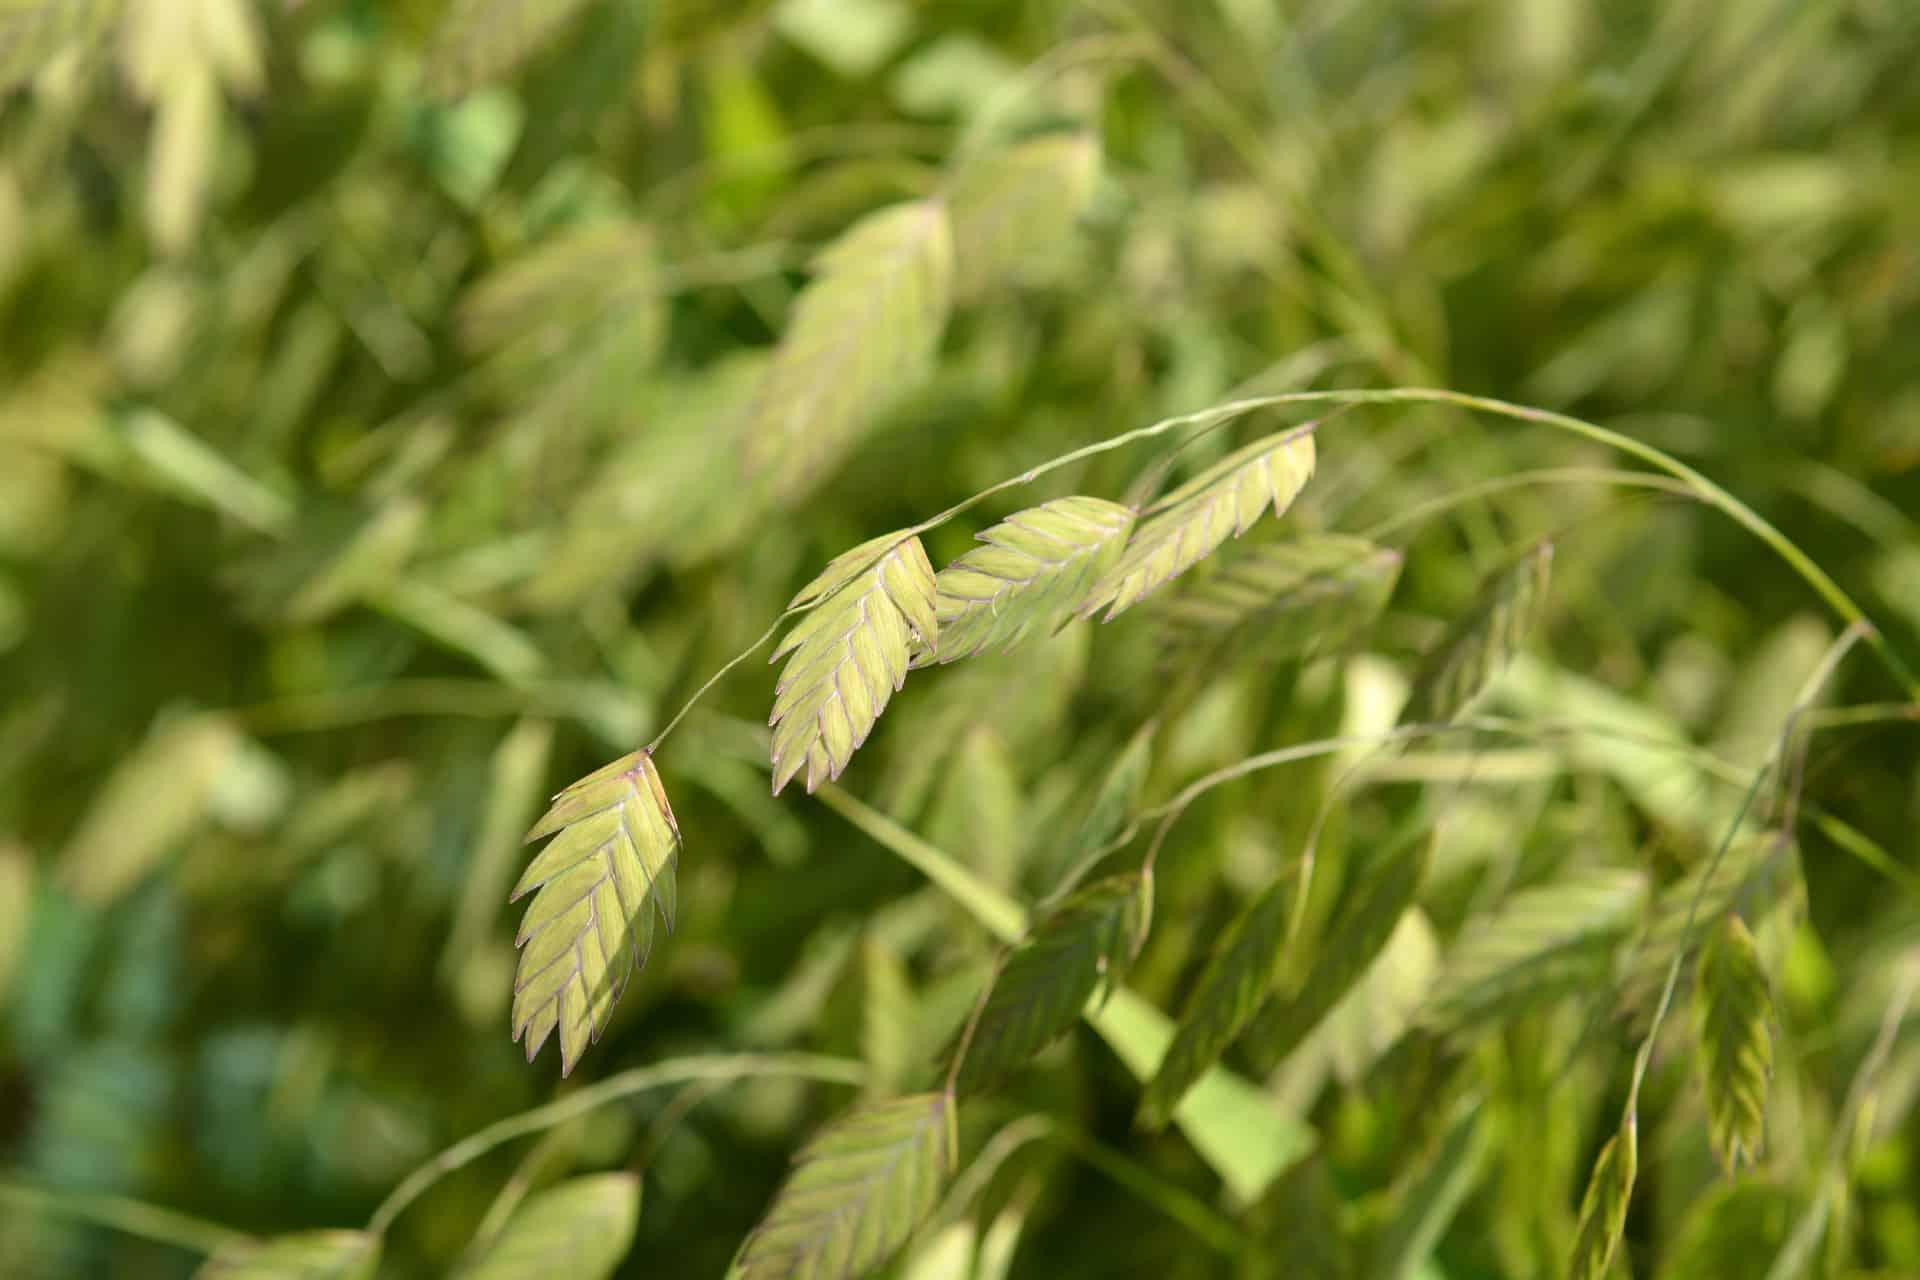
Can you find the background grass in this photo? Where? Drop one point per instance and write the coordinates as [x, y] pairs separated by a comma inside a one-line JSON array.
[[343, 517]]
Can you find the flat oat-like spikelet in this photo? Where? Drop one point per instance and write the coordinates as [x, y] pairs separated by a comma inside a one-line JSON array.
[[1482, 641], [309, 1255], [856, 1193], [1036, 565], [850, 655], [581, 1229], [609, 867], [1733, 1016], [1221, 502], [1014, 209]]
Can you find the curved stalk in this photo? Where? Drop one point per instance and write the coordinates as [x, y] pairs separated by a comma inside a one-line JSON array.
[[741, 1066]]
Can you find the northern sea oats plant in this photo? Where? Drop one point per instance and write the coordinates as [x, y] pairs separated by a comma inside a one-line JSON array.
[[1475, 828]]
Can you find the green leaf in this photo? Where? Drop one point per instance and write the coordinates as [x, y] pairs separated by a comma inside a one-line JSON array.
[[309, 1255], [865, 328], [1539, 943], [1281, 600], [580, 1229], [1603, 1209], [1361, 924], [849, 657], [479, 41], [609, 867], [1085, 944], [1035, 567], [1014, 209], [856, 1193], [1481, 641], [1733, 1013], [1238, 975], [1221, 502]]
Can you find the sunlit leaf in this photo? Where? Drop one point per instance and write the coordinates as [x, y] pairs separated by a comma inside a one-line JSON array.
[[1481, 641], [1221, 502], [1085, 944], [862, 331], [1387, 1001], [1239, 973], [1603, 1209], [1733, 1015], [309, 1255], [609, 867], [580, 1229], [856, 1193], [850, 655], [1036, 566]]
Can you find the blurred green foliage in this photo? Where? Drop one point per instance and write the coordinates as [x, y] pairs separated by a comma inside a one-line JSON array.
[[375, 384]]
